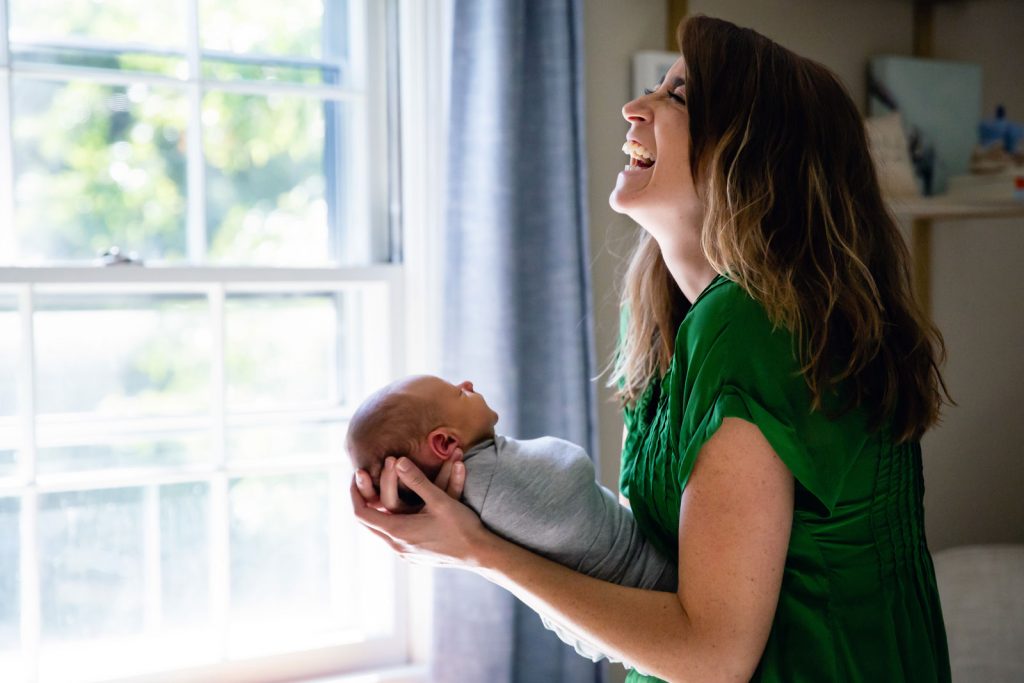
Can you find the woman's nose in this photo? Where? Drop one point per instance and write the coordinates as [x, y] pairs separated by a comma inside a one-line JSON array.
[[636, 110]]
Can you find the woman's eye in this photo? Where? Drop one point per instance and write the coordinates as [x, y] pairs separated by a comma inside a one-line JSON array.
[[677, 98], [648, 91]]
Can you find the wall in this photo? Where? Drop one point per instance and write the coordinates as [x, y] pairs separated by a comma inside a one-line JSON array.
[[613, 32], [974, 466], [838, 33], [974, 462]]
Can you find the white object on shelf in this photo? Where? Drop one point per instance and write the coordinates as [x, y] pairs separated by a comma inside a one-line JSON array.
[[890, 152], [986, 186]]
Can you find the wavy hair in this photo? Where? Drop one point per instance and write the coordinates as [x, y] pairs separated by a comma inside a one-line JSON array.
[[794, 215]]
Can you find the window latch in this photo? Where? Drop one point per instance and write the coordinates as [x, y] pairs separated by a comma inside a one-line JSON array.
[[114, 257]]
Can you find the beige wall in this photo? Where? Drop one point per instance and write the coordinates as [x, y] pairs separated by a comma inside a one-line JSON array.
[[974, 471], [838, 33], [613, 31], [974, 462]]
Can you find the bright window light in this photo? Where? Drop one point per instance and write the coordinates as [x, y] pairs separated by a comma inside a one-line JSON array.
[[198, 283]]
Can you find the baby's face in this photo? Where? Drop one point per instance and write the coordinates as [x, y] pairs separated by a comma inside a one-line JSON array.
[[464, 410]]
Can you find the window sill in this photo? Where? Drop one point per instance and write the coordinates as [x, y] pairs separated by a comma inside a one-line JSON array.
[[404, 674]]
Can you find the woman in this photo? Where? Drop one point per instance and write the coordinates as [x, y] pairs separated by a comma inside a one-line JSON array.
[[773, 424]]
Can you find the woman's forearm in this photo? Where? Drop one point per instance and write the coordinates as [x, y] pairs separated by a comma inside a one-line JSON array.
[[648, 629]]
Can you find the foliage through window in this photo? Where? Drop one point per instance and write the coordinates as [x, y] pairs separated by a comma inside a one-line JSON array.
[[173, 484]]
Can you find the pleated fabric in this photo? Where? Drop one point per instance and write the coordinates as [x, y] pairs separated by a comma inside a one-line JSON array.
[[858, 600]]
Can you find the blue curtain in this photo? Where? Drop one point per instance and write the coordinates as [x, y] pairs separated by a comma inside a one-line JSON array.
[[517, 318]]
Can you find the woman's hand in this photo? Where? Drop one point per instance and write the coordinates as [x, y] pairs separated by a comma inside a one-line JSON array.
[[451, 478], [444, 531]]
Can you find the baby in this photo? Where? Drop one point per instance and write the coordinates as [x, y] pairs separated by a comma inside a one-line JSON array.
[[541, 493]]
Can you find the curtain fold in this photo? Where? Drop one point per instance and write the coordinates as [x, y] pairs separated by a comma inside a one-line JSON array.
[[517, 318]]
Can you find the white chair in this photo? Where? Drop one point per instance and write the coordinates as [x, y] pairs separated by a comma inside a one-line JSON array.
[[982, 593]]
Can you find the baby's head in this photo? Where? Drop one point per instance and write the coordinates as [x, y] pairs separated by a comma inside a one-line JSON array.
[[423, 418]]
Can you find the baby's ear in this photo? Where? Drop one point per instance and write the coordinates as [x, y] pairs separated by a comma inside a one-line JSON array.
[[442, 443]]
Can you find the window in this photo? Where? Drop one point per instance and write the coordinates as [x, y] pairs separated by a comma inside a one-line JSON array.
[[197, 281]]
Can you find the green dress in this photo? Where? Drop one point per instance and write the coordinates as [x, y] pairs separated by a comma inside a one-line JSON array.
[[858, 599]]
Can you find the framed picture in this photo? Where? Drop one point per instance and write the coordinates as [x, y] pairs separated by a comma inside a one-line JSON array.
[[940, 105]]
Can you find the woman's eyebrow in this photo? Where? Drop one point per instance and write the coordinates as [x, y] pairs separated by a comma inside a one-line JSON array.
[[679, 81]]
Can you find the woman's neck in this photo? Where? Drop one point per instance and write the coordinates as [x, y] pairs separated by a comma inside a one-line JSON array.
[[688, 266]]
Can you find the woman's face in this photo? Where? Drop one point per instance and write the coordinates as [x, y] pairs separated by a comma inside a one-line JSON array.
[[659, 195]]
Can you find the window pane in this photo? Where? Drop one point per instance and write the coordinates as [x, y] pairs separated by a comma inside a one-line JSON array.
[[280, 570], [272, 177], [300, 28], [10, 573], [10, 354], [323, 440], [8, 451], [282, 350], [158, 22], [185, 555], [129, 452], [125, 582], [96, 166], [124, 355], [91, 563]]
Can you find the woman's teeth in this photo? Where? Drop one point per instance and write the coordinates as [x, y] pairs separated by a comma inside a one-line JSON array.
[[639, 157]]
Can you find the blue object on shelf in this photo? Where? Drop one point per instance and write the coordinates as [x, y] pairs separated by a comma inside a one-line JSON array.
[[999, 129]]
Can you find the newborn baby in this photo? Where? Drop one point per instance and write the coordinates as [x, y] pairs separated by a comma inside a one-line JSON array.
[[541, 494]]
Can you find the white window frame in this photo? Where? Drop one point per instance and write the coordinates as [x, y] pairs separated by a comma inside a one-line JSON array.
[[410, 293]]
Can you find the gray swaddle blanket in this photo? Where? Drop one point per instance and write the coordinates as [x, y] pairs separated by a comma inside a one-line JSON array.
[[543, 495]]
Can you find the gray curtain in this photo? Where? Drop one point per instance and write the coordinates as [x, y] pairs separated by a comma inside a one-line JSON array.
[[517, 315]]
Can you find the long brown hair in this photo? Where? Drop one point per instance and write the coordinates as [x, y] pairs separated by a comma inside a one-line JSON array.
[[793, 214]]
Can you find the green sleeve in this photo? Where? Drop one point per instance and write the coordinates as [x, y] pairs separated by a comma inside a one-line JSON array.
[[739, 366]]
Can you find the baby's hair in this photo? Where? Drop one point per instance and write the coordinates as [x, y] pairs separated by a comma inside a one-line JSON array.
[[390, 423]]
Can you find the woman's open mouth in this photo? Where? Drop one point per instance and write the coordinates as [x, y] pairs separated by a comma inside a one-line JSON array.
[[640, 158]]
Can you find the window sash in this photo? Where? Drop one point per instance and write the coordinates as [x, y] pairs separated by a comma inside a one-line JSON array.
[[385, 286], [367, 66], [415, 281]]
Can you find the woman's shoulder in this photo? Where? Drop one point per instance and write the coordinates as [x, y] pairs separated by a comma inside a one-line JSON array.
[[726, 314]]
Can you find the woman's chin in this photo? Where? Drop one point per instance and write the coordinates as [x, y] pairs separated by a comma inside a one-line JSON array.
[[629, 185]]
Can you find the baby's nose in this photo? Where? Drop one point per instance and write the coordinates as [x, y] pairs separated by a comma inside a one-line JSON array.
[[467, 385]]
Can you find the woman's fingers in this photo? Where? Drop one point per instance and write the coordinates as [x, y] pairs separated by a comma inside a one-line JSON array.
[[457, 481], [389, 485], [443, 531], [365, 486], [389, 498], [444, 476], [412, 477], [375, 520]]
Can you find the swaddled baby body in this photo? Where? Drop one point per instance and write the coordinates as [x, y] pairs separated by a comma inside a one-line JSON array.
[[540, 493]]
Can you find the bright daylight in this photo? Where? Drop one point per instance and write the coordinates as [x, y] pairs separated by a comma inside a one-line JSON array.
[[511, 341]]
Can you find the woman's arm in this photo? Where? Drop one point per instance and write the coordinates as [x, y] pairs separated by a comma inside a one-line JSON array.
[[735, 520]]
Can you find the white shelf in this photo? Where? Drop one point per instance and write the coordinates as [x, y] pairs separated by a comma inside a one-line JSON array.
[[945, 207]]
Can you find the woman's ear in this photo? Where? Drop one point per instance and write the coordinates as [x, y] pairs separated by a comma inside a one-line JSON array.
[[442, 443]]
